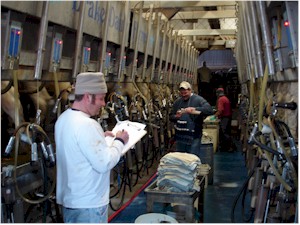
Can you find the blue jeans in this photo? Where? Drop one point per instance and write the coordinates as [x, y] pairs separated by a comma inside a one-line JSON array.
[[194, 148], [89, 215]]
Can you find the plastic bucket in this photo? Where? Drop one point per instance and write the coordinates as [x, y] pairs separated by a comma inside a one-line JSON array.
[[206, 155], [155, 218]]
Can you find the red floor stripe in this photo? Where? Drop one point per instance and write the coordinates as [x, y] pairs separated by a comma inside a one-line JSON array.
[[132, 198]]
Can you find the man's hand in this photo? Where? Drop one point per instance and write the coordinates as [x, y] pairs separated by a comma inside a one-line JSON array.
[[123, 135], [189, 110], [178, 114], [109, 134]]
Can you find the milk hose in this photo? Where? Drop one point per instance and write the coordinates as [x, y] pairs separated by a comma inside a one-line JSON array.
[[6, 89], [26, 125], [56, 89], [243, 189], [251, 102], [16, 97], [291, 165], [267, 155]]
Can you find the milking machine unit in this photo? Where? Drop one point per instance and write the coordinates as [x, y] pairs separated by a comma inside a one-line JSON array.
[[107, 67], [54, 66], [277, 194], [272, 158], [11, 55], [56, 52], [86, 54], [117, 106], [59, 98], [10, 51], [24, 184], [268, 118], [12, 32]]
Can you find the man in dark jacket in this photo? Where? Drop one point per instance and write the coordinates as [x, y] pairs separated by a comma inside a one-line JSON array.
[[187, 114], [204, 77]]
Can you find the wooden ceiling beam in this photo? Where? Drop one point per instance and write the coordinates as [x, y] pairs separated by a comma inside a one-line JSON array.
[[205, 32], [185, 4], [205, 15]]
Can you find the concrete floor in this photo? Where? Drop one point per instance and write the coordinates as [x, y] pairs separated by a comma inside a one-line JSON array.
[[229, 175]]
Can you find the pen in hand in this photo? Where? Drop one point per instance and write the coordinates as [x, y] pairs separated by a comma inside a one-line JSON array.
[[123, 134]]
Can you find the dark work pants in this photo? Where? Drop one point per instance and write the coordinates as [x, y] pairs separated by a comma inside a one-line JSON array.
[[206, 91], [225, 134], [194, 148]]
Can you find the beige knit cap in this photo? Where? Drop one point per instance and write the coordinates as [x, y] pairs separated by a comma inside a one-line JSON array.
[[93, 83]]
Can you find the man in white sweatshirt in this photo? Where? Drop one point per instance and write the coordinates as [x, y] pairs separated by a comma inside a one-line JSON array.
[[84, 160]]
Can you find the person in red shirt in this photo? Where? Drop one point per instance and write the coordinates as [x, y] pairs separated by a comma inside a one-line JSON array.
[[224, 113]]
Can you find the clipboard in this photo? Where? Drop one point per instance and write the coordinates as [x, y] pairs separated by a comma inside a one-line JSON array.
[[135, 130]]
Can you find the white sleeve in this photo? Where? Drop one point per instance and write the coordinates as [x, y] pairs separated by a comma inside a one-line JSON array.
[[91, 141]]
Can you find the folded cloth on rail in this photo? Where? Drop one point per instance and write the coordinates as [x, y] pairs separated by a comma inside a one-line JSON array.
[[173, 181], [187, 160], [187, 177], [163, 168], [178, 172]]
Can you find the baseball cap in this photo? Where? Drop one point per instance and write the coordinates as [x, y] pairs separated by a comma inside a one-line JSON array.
[[185, 85], [220, 90]]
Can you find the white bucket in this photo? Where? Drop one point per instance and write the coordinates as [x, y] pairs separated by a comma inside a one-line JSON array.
[[155, 218]]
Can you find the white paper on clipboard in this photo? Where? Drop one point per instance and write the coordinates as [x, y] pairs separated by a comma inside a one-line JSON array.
[[135, 130]]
